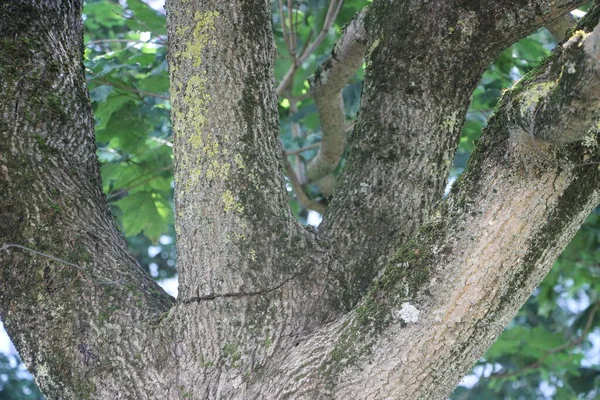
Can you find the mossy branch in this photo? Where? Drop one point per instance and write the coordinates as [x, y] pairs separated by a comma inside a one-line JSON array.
[[561, 103]]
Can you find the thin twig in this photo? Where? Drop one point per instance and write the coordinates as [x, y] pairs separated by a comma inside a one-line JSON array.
[[305, 45], [158, 40], [303, 198], [334, 8], [139, 21], [162, 141], [348, 130], [100, 41], [292, 98], [127, 88], [283, 26], [129, 185], [150, 179], [296, 133], [332, 12], [302, 149], [289, 77], [292, 48]]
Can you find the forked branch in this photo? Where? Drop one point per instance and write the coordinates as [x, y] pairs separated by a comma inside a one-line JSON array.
[[333, 10]]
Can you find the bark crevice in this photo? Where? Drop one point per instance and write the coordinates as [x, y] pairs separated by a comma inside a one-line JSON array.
[[241, 293]]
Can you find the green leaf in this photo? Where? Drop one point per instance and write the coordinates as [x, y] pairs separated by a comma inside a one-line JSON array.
[[586, 380], [155, 83], [107, 108], [319, 20], [143, 176], [145, 18], [147, 212], [142, 60], [127, 129], [101, 14], [101, 92]]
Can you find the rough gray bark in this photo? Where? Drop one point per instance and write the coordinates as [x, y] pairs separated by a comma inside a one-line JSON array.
[[268, 309], [560, 26], [72, 328]]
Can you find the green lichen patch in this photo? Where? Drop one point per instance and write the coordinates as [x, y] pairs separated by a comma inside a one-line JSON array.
[[534, 75], [530, 97], [232, 354], [202, 36], [231, 204]]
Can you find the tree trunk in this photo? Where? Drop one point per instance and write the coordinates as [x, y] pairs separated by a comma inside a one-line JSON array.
[[398, 293], [76, 321]]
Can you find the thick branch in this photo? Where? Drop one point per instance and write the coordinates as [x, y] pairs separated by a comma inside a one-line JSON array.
[[326, 88], [248, 271], [233, 218], [451, 290], [500, 24], [303, 198], [412, 110], [67, 282]]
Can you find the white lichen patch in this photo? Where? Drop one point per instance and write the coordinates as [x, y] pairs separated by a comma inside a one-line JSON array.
[[4, 170], [408, 313], [374, 45], [570, 67], [42, 372], [365, 188], [468, 23], [590, 140]]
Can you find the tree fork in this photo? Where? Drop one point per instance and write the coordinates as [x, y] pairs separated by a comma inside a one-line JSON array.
[[261, 312]]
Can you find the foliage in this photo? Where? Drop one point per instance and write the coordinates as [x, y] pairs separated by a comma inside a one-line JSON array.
[[544, 352], [15, 382], [126, 66]]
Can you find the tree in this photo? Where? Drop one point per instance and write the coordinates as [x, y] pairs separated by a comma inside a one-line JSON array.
[[398, 292]]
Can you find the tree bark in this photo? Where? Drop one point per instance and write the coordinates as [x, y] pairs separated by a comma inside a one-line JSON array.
[[91, 310], [269, 309]]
